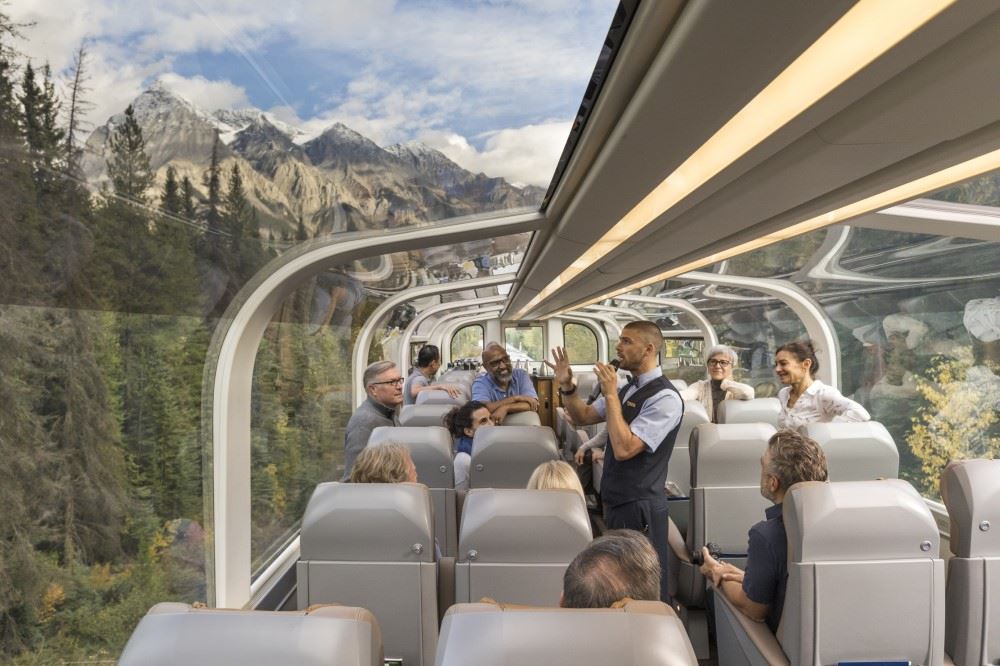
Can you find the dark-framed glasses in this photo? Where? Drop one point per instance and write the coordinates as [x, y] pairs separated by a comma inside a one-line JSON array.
[[398, 381], [719, 362]]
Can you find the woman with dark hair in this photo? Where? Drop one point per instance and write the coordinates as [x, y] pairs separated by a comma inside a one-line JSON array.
[[463, 422], [422, 376], [805, 399]]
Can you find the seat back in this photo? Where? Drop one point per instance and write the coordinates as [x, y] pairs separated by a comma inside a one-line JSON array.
[[372, 545], [679, 384], [505, 457], [679, 469], [438, 398], [856, 451], [522, 419], [971, 491], [430, 447], [641, 633], [423, 415], [175, 633], [514, 544], [865, 579], [758, 410], [725, 484]]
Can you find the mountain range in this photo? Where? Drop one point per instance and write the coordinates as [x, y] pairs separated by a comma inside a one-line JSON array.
[[336, 181]]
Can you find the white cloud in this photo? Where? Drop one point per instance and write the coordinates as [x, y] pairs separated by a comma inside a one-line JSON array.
[[207, 94], [521, 155]]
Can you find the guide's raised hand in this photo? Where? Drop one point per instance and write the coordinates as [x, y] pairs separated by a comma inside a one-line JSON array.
[[560, 367]]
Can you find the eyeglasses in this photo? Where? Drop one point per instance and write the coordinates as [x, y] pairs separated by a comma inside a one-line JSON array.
[[718, 362], [398, 381], [497, 361]]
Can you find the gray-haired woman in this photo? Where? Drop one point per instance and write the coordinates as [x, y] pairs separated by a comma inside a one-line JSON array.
[[720, 385]]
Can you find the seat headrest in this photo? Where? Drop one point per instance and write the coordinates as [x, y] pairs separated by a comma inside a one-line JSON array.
[[694, 415], [378, 522], [758, 410], [429, 446], [728, 454], [505, 456], [522, 419], [423, 415], [585, 383], [438, 398], [518, 525], [646, 633], [858, 520], [175, 633], [679, 384], [971, 491], [856, 451]]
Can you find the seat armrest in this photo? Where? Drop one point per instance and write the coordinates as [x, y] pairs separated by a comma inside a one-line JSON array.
[[758, 636]]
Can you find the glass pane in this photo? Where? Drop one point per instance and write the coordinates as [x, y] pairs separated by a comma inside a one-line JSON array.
[[525, 345], [467, 344], [684, 359], [581, 343]]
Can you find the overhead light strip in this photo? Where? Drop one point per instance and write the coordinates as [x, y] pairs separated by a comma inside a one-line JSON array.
[[891, 197], [864, 33]]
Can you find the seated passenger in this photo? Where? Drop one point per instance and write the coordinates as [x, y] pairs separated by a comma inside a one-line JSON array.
[[428, 363], [503, 389], [384, 386], [807, 400], [619, 565], [554, 475], [759, 591], [388, 462], [720, 361], [463, 422]]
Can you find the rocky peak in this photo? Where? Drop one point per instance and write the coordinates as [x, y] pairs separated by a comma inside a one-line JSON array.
[[339, 145], [265, 146]]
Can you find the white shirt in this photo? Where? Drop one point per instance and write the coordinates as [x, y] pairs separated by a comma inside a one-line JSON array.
[[659, 415], [818, 404]]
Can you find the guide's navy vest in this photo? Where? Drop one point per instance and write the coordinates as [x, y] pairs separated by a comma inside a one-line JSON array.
[[643, 476]]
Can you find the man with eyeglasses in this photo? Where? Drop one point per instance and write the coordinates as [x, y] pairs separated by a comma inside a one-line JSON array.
[[384, 386], [504, 389]]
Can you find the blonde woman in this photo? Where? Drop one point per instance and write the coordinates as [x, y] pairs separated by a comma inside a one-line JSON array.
[[389, 462], [720, 361], [554, 475]]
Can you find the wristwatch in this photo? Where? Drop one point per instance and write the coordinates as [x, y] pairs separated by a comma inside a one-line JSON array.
[[563, 391]]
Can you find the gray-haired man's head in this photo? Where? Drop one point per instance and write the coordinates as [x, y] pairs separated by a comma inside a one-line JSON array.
[[620, 564]]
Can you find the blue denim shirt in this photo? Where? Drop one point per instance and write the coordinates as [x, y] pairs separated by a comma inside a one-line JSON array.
[[484, 389], [767, 565]]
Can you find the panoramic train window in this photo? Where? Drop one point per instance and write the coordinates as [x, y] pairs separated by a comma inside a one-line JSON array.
[[467, 343], [525, 345], [581, 343]]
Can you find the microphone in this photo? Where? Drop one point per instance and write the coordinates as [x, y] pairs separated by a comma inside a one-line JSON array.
[[596, 393]]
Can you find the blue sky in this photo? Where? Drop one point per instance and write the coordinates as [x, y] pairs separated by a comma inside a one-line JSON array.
[[492, 83]]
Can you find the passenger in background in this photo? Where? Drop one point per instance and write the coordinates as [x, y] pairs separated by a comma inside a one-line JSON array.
[[503, 389], [621, 564], [463, 422], [805, 399], [555, 475], [428, 363], [384, 386], [388, 462], [759, 591], [720, 361]]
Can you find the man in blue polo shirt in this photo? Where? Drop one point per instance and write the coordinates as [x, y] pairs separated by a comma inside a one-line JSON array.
[[759, 591], [503, 389]]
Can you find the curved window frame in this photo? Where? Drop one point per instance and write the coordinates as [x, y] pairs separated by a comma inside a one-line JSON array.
[[451, 341], [593, 333]]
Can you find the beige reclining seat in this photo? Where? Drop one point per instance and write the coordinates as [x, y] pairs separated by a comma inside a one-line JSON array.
[[679, 470], [725, 495], [423, 415], [439, 398], [173, 634], [641, 633], [865, 578], [856, 451], [431, 450], [505, 456], [514, 544], [758, 410], [679, 384], [372, 545], [522, 419], [971, 491]]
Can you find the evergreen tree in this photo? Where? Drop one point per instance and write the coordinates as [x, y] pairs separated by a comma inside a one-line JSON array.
[[41, 130], [128, 166], [214, 231], [237, 211], [170, 199], [187, 199], [79, 105]]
